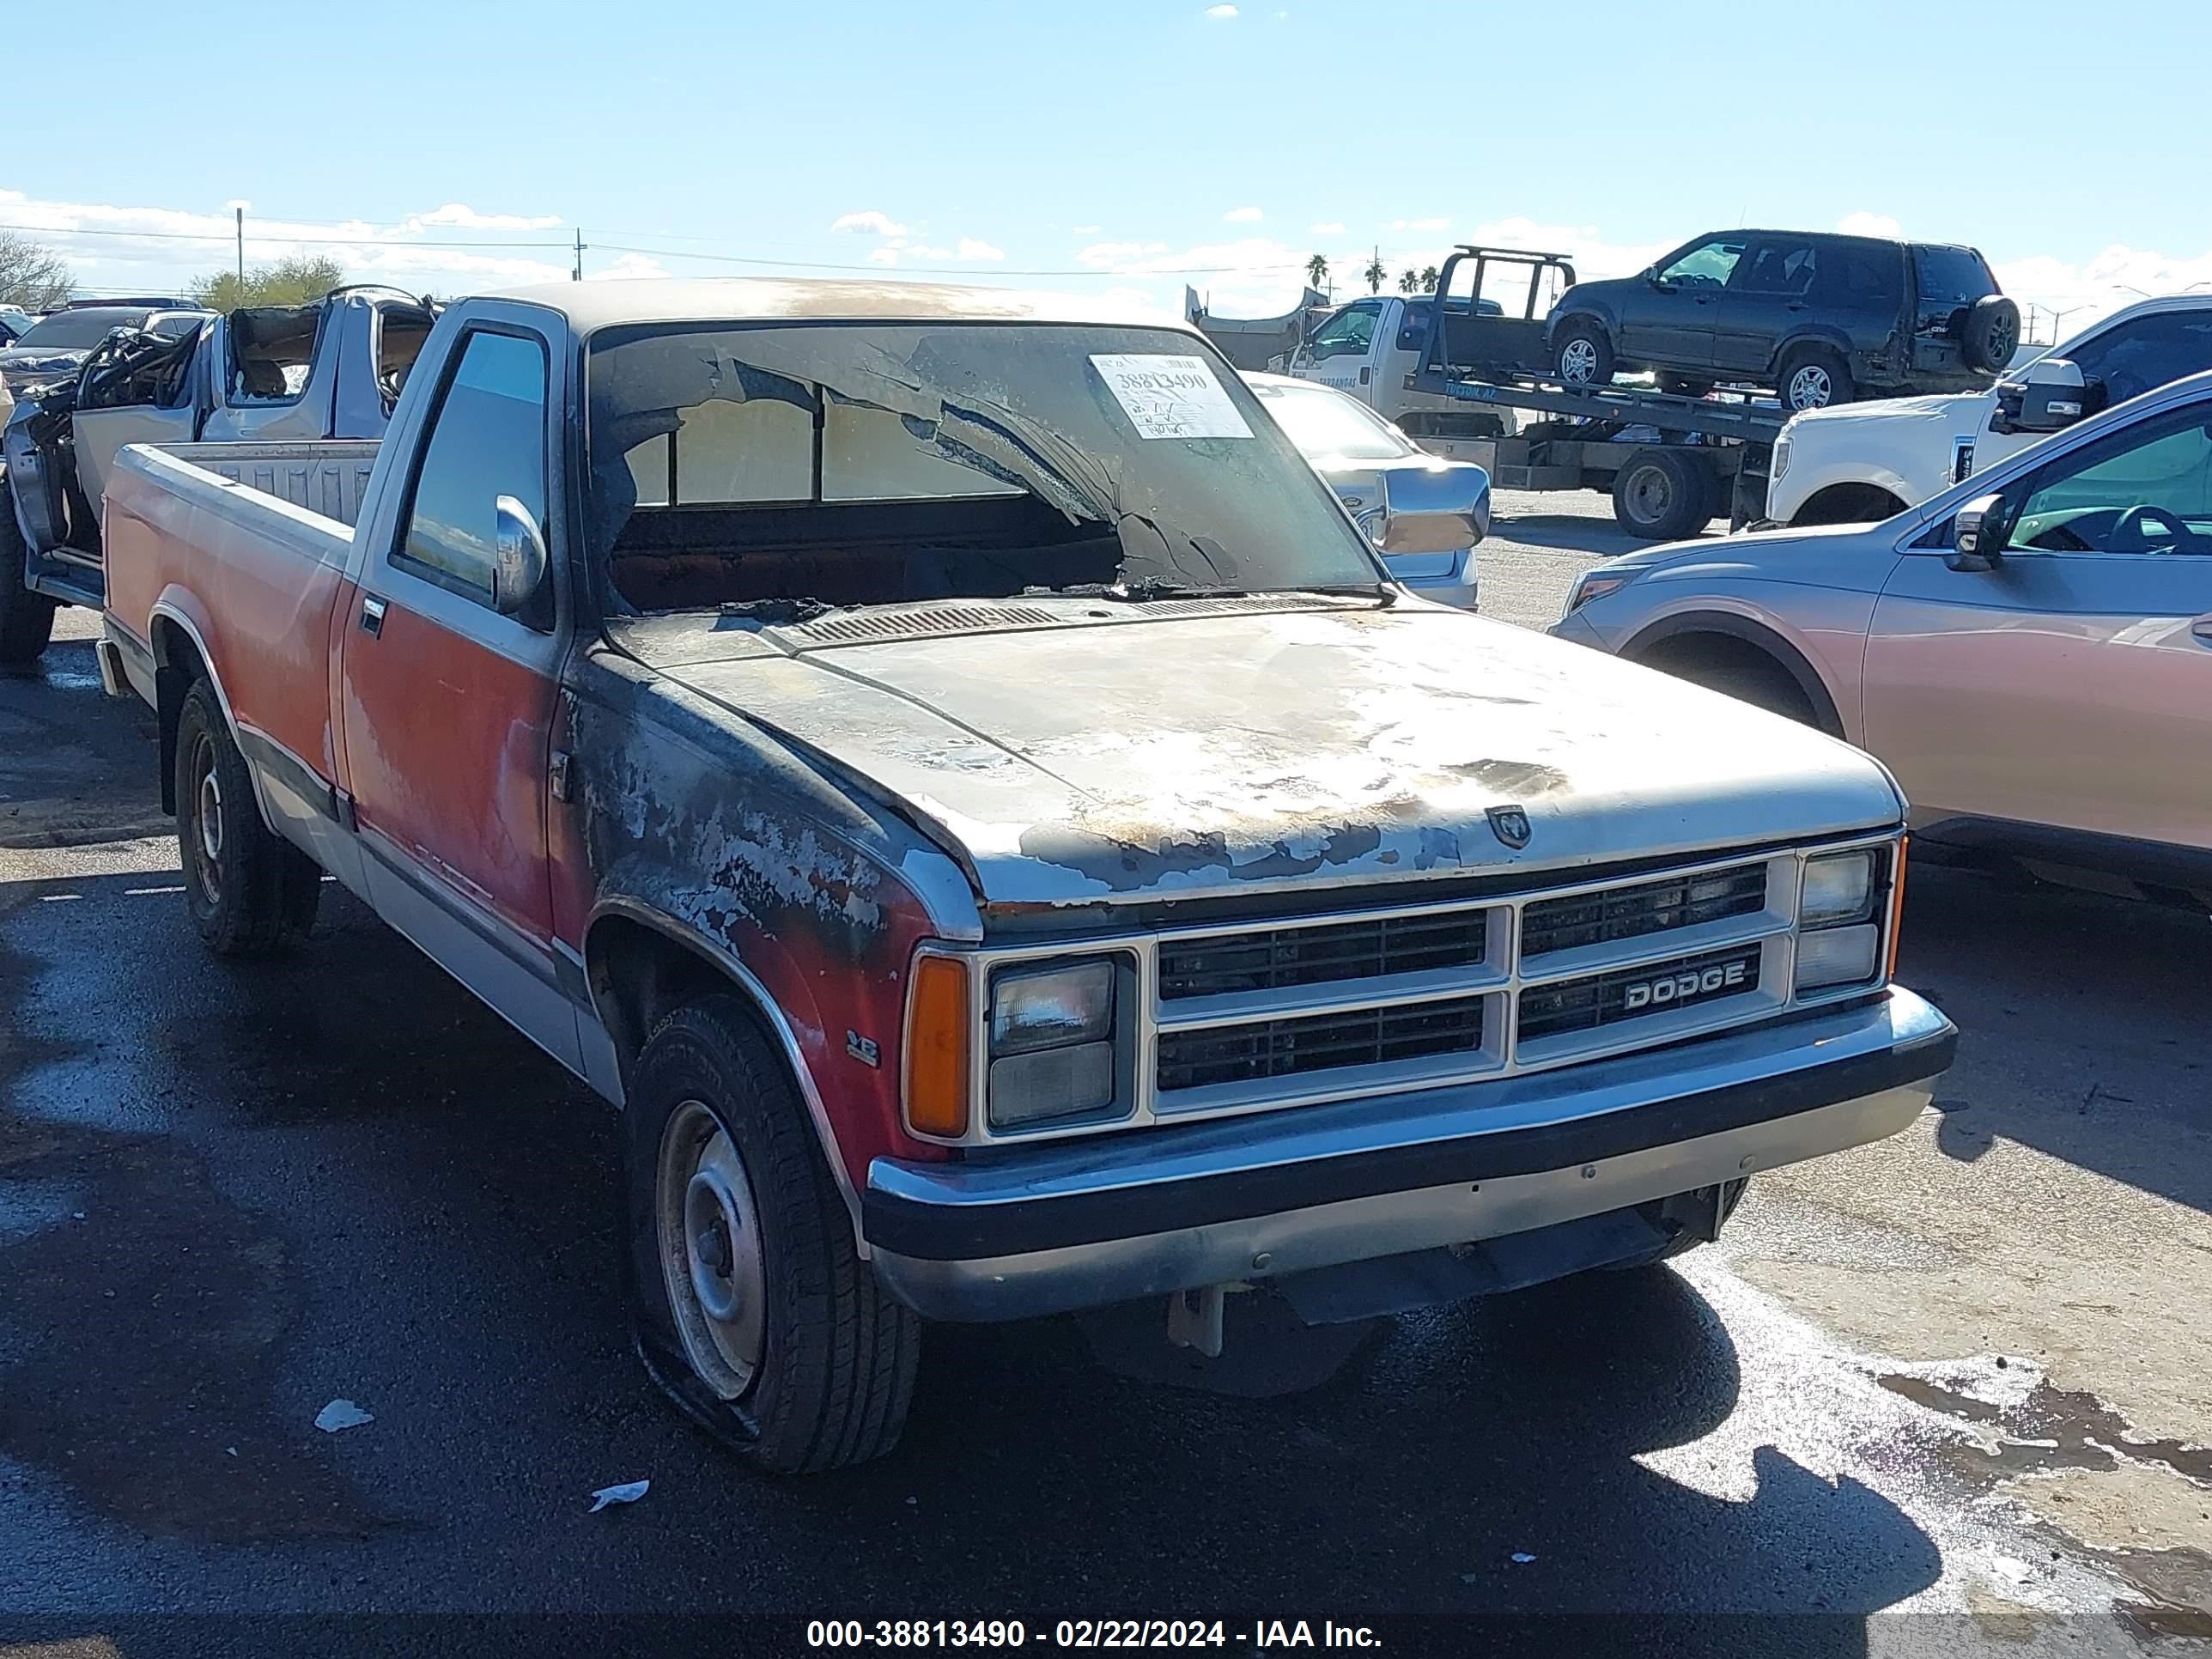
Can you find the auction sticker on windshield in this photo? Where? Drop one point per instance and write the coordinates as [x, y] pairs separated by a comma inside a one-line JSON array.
[[1168, 397]]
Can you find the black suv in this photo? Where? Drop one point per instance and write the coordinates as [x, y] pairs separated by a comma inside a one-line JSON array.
[[1820, 319]]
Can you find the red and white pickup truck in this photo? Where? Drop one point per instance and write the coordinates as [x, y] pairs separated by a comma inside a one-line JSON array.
[[953, 773]]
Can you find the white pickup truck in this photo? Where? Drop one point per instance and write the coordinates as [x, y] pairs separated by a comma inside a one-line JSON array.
[[1370, 349], [1861, 463], [255, 382], [953, 773]]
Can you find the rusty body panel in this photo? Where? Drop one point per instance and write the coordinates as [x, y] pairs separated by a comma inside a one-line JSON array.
[[1120, 757]]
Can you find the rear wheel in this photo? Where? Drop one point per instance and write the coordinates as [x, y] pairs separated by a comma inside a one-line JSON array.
[[1664, 495], [27, 619], [1813, 377], [247, 889], [753, 1309]]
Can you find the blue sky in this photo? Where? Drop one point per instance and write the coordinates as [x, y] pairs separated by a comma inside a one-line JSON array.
[[1130, 142]]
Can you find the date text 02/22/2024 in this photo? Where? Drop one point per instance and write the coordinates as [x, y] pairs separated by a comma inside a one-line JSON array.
[[1085, 1633]]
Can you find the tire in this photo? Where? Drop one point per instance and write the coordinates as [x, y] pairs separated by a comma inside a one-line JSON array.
[[248, 890], [27, 619], [1991, 334], [1752, 677], [781, 1342], [1664, 495], [1813, 377], [1584, 356], [1682, 386]]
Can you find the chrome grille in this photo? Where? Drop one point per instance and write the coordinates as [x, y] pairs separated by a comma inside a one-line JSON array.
[[1255, 1052], [1585, 1004], [1645, 908], [1279, 957]]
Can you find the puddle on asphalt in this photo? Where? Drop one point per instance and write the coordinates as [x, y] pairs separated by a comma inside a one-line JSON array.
[[2046, 1429], [139, 1346]]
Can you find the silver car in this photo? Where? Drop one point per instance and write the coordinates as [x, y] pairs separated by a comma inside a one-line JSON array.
[[2030, 652], [1424, 513]]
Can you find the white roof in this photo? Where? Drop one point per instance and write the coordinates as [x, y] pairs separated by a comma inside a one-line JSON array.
[[596, 305]]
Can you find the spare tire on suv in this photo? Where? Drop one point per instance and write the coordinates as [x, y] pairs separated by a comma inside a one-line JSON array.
[[1990, 333]]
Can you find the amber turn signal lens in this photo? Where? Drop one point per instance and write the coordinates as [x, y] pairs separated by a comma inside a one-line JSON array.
[[937, 1038], [1897, 902]]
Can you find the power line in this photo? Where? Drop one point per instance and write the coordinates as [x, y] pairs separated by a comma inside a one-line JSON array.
[[303, 241]]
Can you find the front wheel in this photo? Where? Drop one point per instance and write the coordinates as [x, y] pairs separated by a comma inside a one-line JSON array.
[[27, 619], [247, 889], [1583, 356], [753, 1309]]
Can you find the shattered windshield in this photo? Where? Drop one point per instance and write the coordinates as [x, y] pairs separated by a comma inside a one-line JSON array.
[[867, 464]]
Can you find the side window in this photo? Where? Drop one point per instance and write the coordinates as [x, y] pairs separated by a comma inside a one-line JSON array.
[[2145, 353], [1413, 331], [2147, 489], [1777, 267], [1350, 332], [487, 440], [1709, 265], [1862, 277]]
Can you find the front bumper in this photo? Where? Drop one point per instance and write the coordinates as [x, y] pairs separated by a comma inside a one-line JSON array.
[[1052, 1229]]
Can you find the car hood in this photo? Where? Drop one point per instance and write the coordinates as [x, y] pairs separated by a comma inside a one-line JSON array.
[[1071, 764], [26, 364]]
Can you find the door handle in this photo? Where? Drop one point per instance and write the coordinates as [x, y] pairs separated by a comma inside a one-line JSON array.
[[372, 616], [1798, 304], [2201, 627]]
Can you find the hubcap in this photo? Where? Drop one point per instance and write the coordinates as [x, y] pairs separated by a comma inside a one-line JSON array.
[[1578, 361], [710, 1251], [1649, 495], [1809, 387], [207, 810]]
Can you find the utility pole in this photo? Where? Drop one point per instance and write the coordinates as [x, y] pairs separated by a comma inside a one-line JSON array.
[[577, 275], [241, 252]]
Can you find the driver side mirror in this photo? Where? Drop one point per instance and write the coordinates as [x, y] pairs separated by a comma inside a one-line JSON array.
[[1652, 276], [519, 560], [1977, 535]]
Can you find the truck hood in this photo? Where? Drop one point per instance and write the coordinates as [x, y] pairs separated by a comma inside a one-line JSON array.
[[1071, 764], [1847, 423]]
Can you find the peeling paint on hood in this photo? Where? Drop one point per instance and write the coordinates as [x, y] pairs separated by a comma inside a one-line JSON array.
[[1069, 765]]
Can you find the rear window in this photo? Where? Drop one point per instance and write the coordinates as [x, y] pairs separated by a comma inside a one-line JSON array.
[[75, 330], [1952, 276]]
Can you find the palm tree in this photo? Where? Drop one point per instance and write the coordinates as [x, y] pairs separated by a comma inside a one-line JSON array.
[[1408, 280], [1430, 276], [1317, 272], [1374, 275]]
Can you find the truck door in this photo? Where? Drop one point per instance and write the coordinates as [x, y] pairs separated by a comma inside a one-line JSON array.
[[447, 703], [1767, 298], [2070, 686], [1669, 320], [1341, 353]]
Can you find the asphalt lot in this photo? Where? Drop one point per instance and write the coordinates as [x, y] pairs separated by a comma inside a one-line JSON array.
[[1948, 1394]]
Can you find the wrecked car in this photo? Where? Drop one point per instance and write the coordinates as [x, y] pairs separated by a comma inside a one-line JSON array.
[[953, 775], [262, 375]]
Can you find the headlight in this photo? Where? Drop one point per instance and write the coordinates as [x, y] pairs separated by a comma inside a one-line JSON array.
[[1838, 889], [1052, 1046], [1839, 917], [1778, 462], [1593, 586]]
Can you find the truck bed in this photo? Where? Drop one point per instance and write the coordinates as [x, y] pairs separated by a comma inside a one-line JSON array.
[[213, 552]]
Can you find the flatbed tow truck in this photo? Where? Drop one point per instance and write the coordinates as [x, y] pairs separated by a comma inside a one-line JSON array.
[[1672, 462]]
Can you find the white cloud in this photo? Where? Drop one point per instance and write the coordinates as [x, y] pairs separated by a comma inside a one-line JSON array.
[[628, 265], [2061, 298], [457, 215], [1864, 223], [1083, 230], [973, 247], [868, 223], [1221, 14], [1244, 215], [1419, 224], [1329, 228]]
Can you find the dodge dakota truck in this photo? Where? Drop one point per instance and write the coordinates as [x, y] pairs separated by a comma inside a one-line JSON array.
[[948, 768]]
